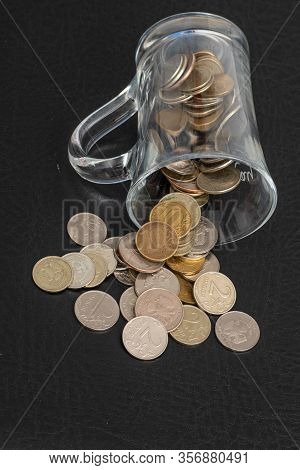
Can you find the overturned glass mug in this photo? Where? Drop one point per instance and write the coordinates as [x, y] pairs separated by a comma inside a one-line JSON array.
[[192, 92]]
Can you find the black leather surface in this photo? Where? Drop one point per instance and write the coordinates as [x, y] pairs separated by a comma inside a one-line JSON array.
[[94, 395]]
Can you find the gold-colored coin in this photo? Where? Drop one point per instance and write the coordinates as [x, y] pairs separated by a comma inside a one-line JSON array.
[[186, 265], [219, 182], [212, 167], [189, 203], [186, 290], [195, 327], [198, 81], [212, 63], [222, 85], [173, 121], [206, 123], [52, 274], [202, 200], [156, 241], [174, 214], [175, 177], [101, 267]]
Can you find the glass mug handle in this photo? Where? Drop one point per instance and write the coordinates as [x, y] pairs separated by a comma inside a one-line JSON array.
[[94, 127]]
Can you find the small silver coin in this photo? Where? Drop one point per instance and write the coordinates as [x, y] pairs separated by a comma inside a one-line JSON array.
[[127, 303], [145, 338], [237, 331], [97, 310], [206, 236], [113, 242], [83, 268], [85, 228], [163, 278]]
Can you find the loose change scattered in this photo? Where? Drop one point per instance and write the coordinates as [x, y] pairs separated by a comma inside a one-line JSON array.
[[173, 276]]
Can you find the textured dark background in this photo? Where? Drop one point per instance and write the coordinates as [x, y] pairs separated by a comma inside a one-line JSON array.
[[64, 387]]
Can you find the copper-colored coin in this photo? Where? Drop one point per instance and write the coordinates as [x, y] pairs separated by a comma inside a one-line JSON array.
[[145, 338], [52, 274], [162, 305], [174, 214], [215, 293], [156, 241], [202, 112], [212, 63], [222, 85], [182, 264], [132, 257], [237, 331], [195, 327], [198, 81], [217, 166], [174, 96], [197, 102], [219, 182], [206, 123], [97, 310], [186, 290], [85, 228], [188, 187], [173, 121], [163, 278]]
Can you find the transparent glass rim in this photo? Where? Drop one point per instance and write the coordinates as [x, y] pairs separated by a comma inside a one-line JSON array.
[[191, 156], [156, 27]]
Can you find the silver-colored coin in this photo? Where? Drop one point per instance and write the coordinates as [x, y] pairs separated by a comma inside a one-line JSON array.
[[211, 265], [83, 268], [86, 228], [131, 256], [125, 277], [161, 305], [127, 303], [113, 242], [163, 278], [206, 236], [101, 268], [145, 338], [214, 293], [106, 252], [237, 331], [97, 310]]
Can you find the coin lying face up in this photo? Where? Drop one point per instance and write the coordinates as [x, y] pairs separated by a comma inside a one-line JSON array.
[[214, 293], [195, 327], [83, 267], [145, 338], [85, 228], [52, 274], [237, 331], [97, 310]]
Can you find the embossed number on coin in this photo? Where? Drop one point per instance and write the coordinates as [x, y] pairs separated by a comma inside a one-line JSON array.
[[145, 338]]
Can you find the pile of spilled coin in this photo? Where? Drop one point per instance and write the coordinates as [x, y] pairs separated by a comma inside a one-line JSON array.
[[174, 278], [160, 263]]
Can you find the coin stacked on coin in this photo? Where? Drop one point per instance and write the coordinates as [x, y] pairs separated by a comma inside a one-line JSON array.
[[196, 103], [174, 280]]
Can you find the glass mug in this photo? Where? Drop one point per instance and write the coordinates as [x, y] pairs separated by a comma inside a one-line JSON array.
[[192, 92]]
